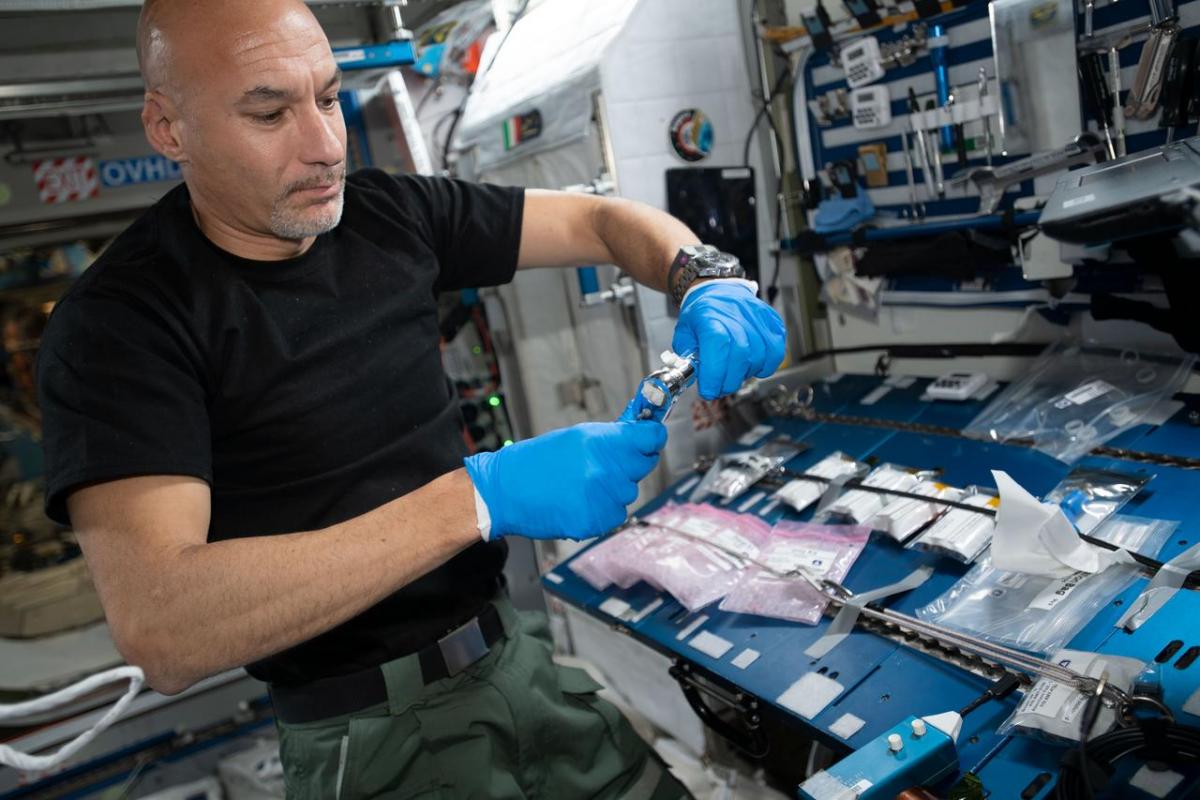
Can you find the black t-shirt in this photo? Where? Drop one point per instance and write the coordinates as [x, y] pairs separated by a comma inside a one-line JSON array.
[[305, 391]]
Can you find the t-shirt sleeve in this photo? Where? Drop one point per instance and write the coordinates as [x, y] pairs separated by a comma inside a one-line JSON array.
[[120, 396], [474, 228]]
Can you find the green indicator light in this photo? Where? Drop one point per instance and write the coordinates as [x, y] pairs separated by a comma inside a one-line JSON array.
[[493, 401], [507, 442], [476, 349]]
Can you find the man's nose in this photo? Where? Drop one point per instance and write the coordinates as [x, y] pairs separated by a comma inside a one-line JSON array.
[[322, 137]]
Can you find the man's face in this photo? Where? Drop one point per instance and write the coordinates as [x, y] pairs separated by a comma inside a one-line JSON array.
[[264, 139]]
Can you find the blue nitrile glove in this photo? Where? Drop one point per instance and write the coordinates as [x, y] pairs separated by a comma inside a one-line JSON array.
[[733, 334], [572, 483]]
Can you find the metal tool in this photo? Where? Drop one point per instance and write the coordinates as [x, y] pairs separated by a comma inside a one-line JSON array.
[[935, 154], [1114, 69], [1148, 80], [987, 120], [992, 183], [960, 136], [1088, 7], [922, 145], [1096, 85], [904, 51], [658, 391], [908, 173]]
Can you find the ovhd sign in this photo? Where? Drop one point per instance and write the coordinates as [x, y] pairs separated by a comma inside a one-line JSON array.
[[143, 169]]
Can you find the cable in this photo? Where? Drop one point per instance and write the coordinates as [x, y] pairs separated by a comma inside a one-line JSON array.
[[999, 690], [964, 349], [458, 112], [10, 713], [1156, 739]]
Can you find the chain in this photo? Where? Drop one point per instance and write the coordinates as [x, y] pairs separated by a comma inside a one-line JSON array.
[[810, 414]]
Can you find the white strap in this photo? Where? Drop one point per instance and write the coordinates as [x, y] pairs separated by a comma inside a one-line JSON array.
[[23, 761], [843, 623]]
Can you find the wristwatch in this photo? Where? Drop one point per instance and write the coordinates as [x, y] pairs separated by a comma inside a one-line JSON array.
[[697, 262]]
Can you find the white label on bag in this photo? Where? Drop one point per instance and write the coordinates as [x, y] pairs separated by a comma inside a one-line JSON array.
[[1058, 591], [795, 556], [1046, 698], [722, 537], [1088, 392]]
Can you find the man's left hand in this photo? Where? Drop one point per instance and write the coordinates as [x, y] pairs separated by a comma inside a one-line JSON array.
[[732, 334]]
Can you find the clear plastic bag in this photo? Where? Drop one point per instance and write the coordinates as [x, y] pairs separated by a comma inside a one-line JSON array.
[[800, 493], [1053, 711], [619, 559], [733, 473], [1025, 611], [859, 504], [703, 552], [1089, 496], [821, 551], [1141, 535], [1078, 396], [901, 517], [961, 534]]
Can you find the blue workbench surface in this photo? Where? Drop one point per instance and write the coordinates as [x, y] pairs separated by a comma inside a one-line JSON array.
[[884, 682]]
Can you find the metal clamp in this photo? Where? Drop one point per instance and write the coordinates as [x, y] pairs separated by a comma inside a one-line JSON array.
[[752, 741], [463, 646]]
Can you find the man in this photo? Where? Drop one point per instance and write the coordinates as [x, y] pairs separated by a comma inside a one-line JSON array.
[[248, 426]]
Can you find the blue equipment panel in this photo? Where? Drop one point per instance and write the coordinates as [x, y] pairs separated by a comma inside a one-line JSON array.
[[882, 682]]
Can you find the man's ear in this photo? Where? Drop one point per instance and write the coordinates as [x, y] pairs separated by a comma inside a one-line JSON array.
[[163, 125]]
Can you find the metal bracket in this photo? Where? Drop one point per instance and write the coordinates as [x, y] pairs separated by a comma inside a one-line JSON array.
[[752, 740]]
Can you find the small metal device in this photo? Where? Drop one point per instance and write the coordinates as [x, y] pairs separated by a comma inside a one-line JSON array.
[[658, 391]]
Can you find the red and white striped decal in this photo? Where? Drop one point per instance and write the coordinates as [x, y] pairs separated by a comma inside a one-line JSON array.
[[63, 180]]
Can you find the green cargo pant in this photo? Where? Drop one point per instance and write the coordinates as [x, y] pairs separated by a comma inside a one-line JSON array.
[[512, 725]]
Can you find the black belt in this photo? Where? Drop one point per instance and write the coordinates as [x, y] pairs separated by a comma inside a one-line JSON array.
[[345, 694]]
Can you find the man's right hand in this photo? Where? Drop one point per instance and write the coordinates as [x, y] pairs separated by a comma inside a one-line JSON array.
[[572, 483]]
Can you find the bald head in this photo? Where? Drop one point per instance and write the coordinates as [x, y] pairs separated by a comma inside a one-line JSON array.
[[175, 37], [244, 95]]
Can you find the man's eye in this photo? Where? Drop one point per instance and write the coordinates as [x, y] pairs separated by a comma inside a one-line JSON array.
[[327, 103], [267, 119]]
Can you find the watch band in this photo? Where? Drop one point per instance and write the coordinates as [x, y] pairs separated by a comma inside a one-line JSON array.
[[696, 262]]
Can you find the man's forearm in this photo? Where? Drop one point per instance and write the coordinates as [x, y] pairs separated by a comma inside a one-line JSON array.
[[642, 240], [209, 607]]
